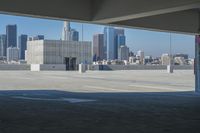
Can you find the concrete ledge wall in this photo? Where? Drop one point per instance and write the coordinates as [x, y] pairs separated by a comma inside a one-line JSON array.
[[10, 67], [52, 67], [137, 67], [61, 67]]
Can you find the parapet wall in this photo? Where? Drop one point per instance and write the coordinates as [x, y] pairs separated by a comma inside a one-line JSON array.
[[137, 67], [14, 67], [61, 67]]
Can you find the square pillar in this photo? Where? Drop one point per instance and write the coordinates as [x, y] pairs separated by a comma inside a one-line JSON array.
[[197, 63]]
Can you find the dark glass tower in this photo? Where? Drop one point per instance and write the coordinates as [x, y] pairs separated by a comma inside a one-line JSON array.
[[22, 45], [98, 47], [3, 44], [74, 35], [11, 35]]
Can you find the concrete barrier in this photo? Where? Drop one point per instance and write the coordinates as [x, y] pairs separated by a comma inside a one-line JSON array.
[[62, 67], [14, 67], [35, 67], [82, 68], [53, 67], [137, 67]]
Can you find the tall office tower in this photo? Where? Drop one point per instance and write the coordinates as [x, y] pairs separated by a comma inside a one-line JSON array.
[[141, 55], [119, 31], [66, 31], [11, 35], [98, 42], [74, 35], [123, 53], [110, 45], [22, 45], [12, 54], [3, 45], [121, 40], [113, 38]]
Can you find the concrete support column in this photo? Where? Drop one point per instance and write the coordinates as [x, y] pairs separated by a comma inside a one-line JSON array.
[[197, 63], [82, 68]]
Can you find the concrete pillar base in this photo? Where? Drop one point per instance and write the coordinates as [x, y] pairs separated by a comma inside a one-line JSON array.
[[82, 68], [197, 64], [170, 68], [35, 67]]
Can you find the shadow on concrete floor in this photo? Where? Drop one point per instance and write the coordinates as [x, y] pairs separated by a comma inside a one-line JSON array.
[[48, 111]]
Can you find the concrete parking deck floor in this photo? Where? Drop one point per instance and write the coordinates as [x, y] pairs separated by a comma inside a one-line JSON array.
[[98, 102], [95, 81]]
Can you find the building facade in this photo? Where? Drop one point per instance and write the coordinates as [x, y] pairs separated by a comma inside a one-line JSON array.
[[58, 51], [11, 35], [113, 39], [22, 45], [140, 54], [98, 40], [34, 38], [165, 59], [123, 53], [110, 45], [74, 35], [185, 56], [66, 31], [12, 54], [121, 40], [3, 46]]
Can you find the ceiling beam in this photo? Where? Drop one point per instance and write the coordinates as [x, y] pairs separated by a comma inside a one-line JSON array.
[[183, 22], [79, 10], [109, 11]]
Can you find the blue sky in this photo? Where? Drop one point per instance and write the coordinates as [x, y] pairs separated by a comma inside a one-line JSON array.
[[151, 42]]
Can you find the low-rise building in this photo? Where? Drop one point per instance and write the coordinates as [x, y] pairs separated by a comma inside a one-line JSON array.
[[70, 53]]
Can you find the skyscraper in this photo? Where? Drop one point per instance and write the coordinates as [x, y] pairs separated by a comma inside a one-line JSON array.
[[119, 31], [98, 47], [121, 40], [22, 45], [74, 35], [11, 35], [3, 45], [109, 43], [66, 31], [123, 53], [113, 39]]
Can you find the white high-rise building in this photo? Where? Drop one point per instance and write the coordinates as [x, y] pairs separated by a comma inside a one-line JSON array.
[[66, 31]]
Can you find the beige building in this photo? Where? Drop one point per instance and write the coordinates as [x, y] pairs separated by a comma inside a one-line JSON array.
[[58, 52], [165, 59]]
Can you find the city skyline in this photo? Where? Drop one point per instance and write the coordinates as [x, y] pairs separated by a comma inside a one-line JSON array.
[[151, 42]]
